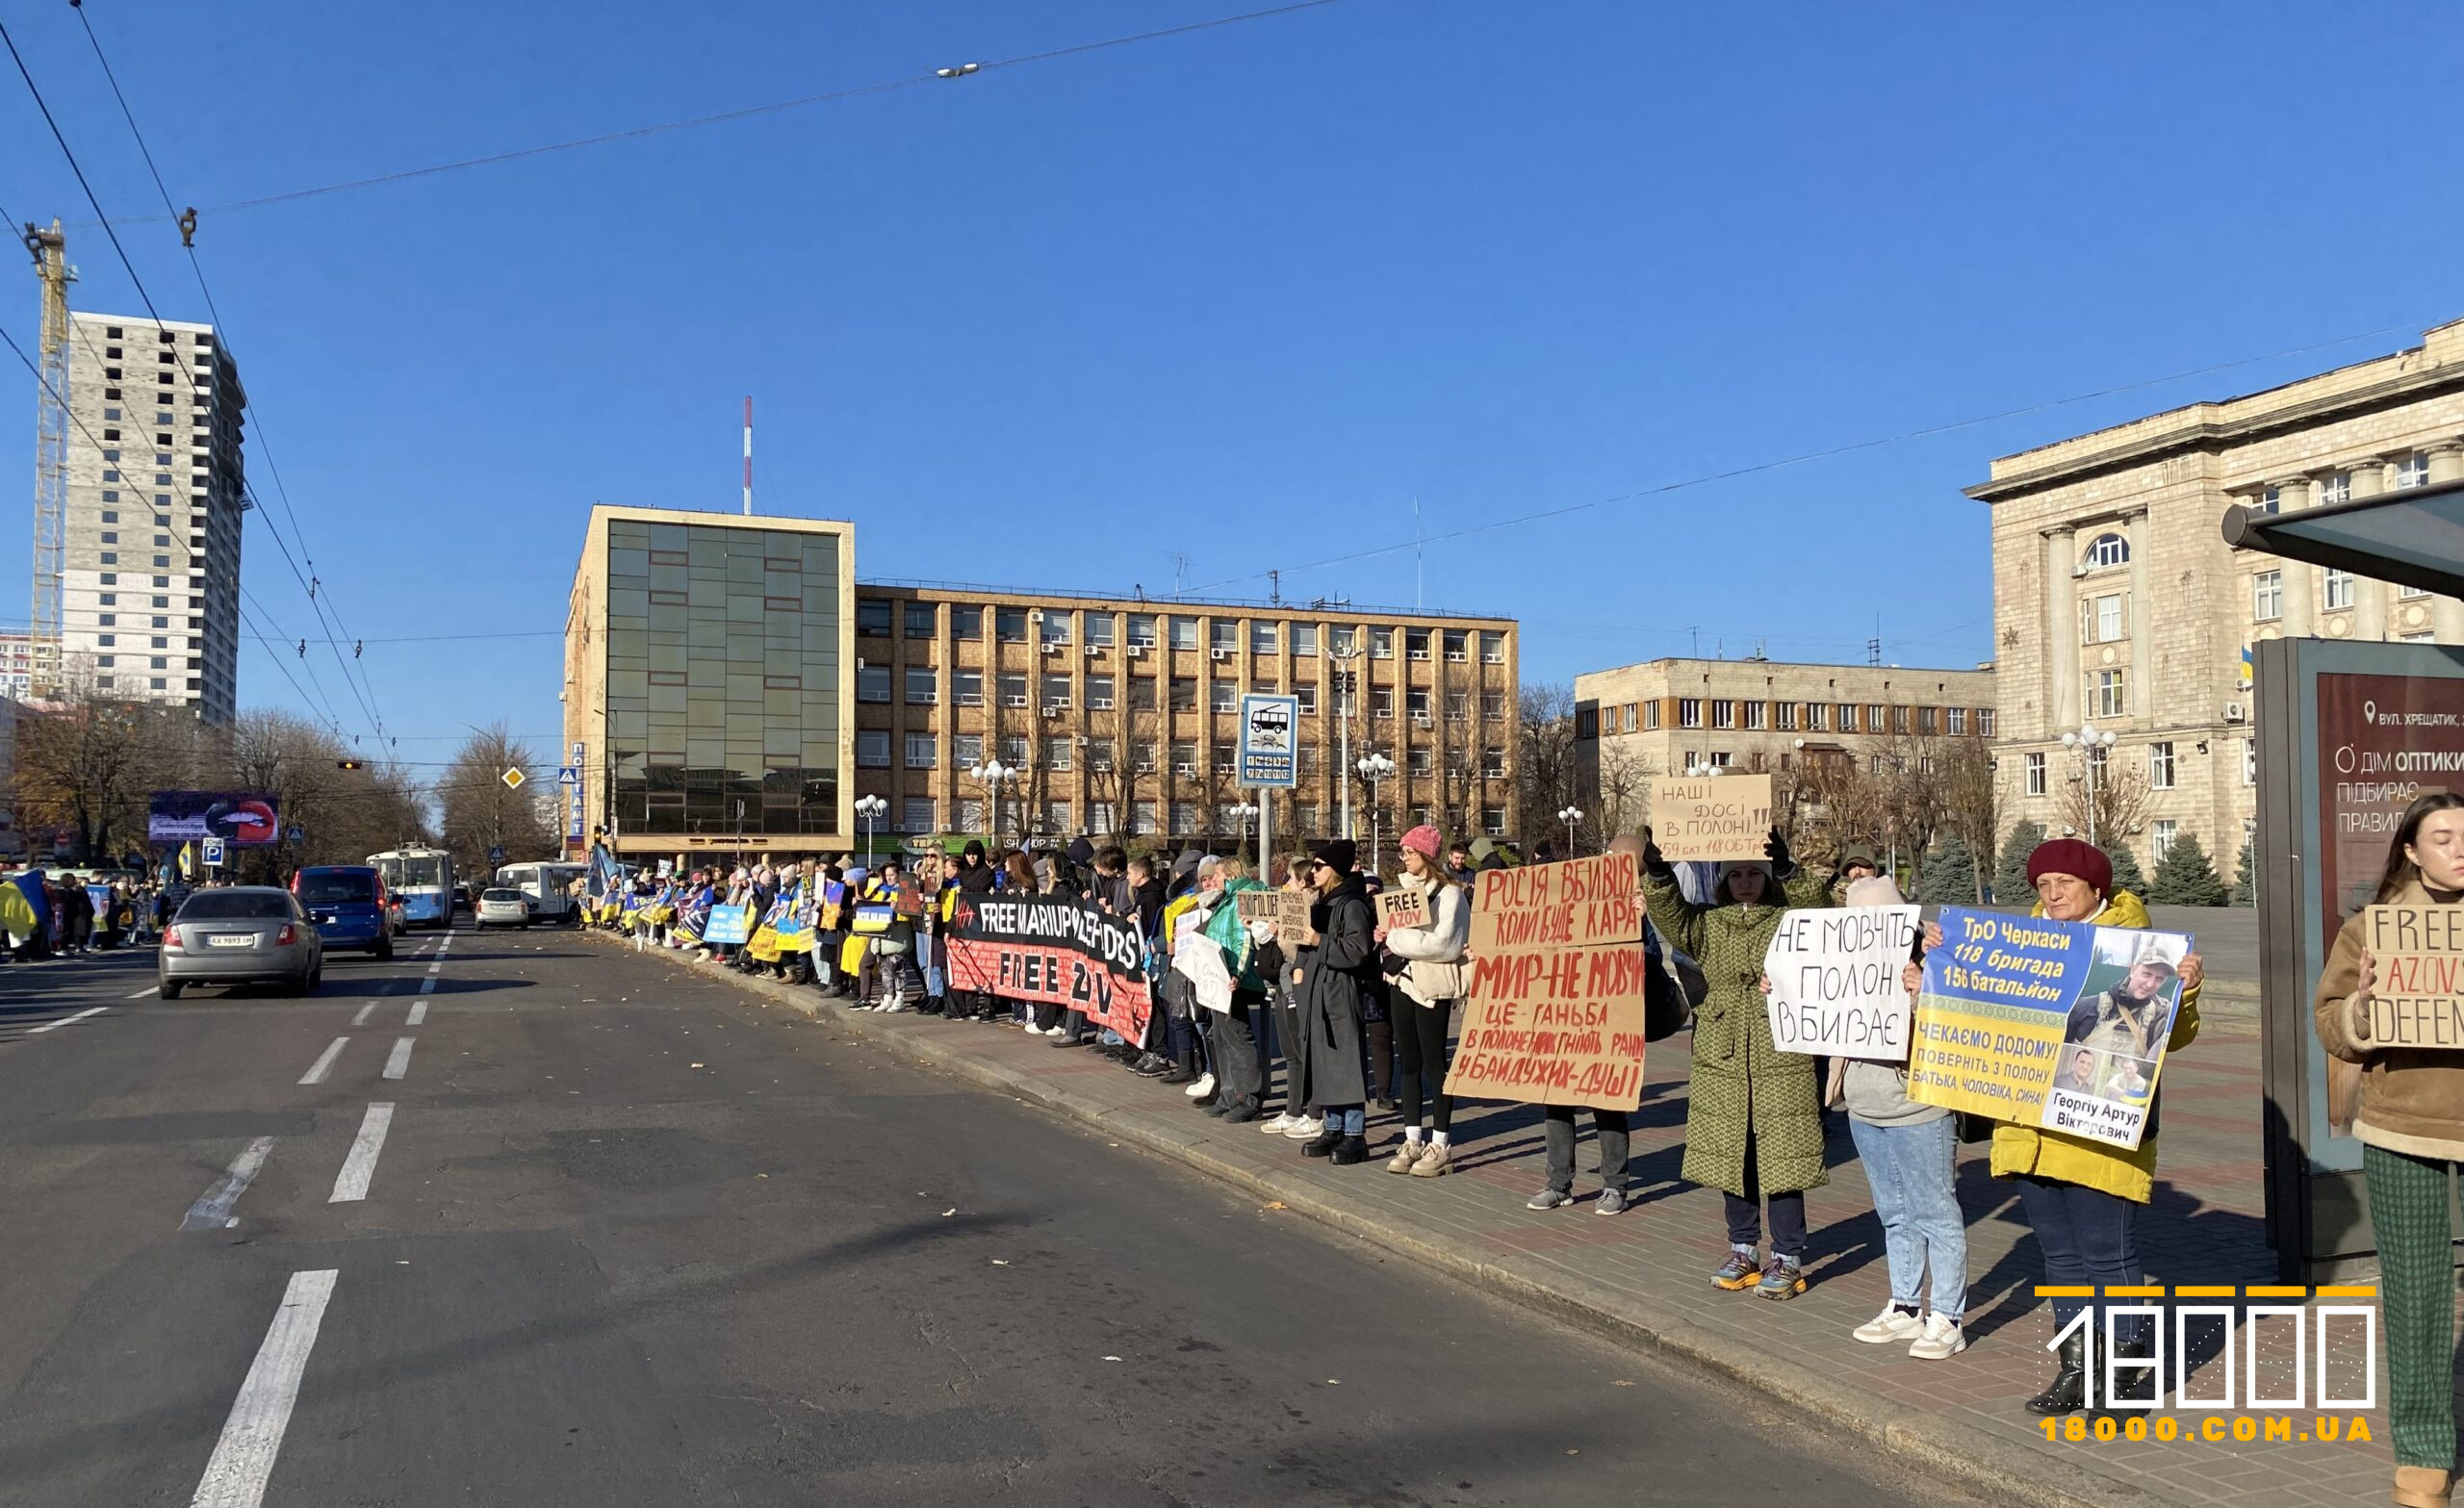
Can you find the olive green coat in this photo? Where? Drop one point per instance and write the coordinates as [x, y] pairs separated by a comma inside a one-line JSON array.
[[1740, 1081]]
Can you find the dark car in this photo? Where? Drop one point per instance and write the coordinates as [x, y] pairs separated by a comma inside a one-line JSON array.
[[346, 902]]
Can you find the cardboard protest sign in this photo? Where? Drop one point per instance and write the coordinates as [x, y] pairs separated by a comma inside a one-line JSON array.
[[2056, 1025], [2419, 951], [1291, 917], [728, 924], [1047, 947], [1836, 982], [1403, 907], [1257, 905], [1555, 1015], [1711, 817]]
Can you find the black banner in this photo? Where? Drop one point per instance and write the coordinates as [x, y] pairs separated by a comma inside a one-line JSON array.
[[1043, 947]]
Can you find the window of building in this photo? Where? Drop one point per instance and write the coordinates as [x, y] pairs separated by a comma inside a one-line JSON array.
[[1493, 821], [2160, 766], [1458, 645], [2408, 592], [1142, 758], [1263, 636], [1184, 817], [1493, 708], [1382, 643], [966, 623], [2105, 551], [2104, 693], [1223, 696], [2266, 595], [915, 814], [1493, 762], [2339, 590], [2101, 617], [1056, 751], [1492, 647], [1723, 713], [1184, 754], [1419, 760], [1223, 635], [1307, 698], [1184, 693], [1013, 689], [1899, 719], [923, 686], [1141, 693], [1099, 629], [1875, 719], [872, 615], [1141, 817], [2334, 488], [1848, 718], [1056, 625], [1099, 693], [1957, 719], [2167, 833], [1305, 759], [1305, 639], [1142, 630], [2035, 775], [2413, 470], [1984, 721], [970, 814], [1184, 631], [1099, 755], [967, 749], [923, 619], [111, 537], [872, 749], [1381, 701], [1343, 641], [1416, 703], [1014, 751], [922, 749], [1757, 714], [2250, 762], [1010, 624], [966, 687], [1689, 711], [1458, 707]]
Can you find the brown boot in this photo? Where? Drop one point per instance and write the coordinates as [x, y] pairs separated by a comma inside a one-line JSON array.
[[2421, 1487]]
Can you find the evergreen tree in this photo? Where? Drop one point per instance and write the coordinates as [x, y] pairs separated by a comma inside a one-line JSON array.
[[2185, 877], [2127, 875], [2245, 878], [1948, 876], [2011, 874]]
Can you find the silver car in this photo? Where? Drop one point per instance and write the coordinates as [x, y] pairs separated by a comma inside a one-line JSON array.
[[241, 934], [500, 907]]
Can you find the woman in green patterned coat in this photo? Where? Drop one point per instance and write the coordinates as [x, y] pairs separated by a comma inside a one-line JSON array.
[[1753, 1114]]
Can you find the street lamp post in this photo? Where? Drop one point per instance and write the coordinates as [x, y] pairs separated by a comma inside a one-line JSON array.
[[1242, 811], [869, 808], [2090, 742], [1570, 816], [1373, 768], [994, 775], [1343, 688]]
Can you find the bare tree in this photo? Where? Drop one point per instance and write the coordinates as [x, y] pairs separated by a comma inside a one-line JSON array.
[[86, 765], [1970, 810], [1545, 775], [2121, 804], [482, 812], [1621, 796], [341, 815]]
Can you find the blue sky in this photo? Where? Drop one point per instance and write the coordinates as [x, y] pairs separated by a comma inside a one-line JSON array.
[[1246, 294]]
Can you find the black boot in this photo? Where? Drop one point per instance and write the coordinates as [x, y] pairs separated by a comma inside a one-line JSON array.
[[2134, 1385], [1186, 1071], [2067, 1393]]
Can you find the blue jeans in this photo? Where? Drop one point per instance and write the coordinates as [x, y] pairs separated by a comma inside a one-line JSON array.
[[1352, 1120], [1909, 1170]]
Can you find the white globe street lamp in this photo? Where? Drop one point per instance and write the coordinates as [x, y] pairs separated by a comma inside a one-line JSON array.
[[1373, 768], [1241, 811], [2090, 742], [1570, 816], [868, 809], [994, 775]]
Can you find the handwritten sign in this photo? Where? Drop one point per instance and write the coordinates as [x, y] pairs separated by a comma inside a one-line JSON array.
[[2417, 1000], [1403, 907], [2056, 1025], [1257, 905], [1836, 982], [1710, 818], [1556, 1011], [1291, 917]]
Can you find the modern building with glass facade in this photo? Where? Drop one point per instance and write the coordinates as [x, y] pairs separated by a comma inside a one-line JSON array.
[[709, 681]]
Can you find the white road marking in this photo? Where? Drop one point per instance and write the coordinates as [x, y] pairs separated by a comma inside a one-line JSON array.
[[364, 1011], [212, 1211], [324, 1063], [398, 1062], [361, 1166], [252, 1436], [142, 993], [419, 1012], [427, 986], [50, 1026]]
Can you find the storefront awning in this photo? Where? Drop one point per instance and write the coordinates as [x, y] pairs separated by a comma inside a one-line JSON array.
[[2413, 538]]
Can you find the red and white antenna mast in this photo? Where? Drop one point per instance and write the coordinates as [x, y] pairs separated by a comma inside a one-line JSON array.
[[748, 454]]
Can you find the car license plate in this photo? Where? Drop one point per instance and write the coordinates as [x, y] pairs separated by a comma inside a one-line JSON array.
[[239, 940]]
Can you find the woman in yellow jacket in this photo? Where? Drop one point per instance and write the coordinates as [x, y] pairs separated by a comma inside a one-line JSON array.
[[2411, 1126], [2083, 1197]]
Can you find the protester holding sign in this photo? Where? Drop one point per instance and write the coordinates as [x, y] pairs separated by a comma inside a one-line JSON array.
[[1433, 986], [2082, 1196], [1337, 964], [2411, 1127], [1753, 1114]]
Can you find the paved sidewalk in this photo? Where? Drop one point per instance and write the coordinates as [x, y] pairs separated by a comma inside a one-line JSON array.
[[1645, 1274]]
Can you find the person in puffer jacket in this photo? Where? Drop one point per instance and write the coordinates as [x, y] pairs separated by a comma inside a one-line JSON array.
[[1432, 984]]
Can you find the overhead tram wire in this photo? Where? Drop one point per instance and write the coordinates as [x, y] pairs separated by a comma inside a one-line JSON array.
[[332, 723], [1785, 462], [265, 443], [748, 112]]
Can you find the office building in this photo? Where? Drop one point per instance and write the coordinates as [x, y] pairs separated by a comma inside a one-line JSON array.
[[1119, 714], [1670, 716], [156, 489], [706, 681], [2119, 605]]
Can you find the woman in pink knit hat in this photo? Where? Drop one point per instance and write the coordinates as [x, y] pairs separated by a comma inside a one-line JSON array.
[[1431, 984]]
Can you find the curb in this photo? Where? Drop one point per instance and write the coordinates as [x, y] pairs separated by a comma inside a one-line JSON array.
[[2011, 1472]]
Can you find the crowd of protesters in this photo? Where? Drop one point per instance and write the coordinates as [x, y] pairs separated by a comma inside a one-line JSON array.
[[51, 914], [1360, 1017]]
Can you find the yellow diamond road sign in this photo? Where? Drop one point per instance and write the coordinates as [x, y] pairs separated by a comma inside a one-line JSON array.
[[512, 780]]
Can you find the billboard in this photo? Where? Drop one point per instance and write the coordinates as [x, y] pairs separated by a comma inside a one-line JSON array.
[[243, 818]]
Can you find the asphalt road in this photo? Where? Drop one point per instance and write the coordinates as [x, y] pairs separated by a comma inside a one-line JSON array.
[[628, 1238]]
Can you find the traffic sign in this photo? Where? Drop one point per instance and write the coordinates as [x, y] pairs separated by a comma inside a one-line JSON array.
[[210, 849], [496, 855], [1267, 726], [293, 833], [568, 775], [512, 778]]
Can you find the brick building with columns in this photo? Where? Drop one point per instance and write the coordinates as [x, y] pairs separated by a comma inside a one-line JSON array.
[[2119, 604]]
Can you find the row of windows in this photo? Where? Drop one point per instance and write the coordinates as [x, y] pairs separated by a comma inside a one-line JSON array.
[[1060, 626], [922, 814], [2335, 487], [1787, 717], [873, 685], [2339, 590], [2162, 766], [922, 752]]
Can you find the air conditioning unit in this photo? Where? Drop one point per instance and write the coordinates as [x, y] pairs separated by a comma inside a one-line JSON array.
[[1099, 703], [1053, 709], [1220, 654], [1137, 650], [1093, 649], [1051, 647], [2236, 712]]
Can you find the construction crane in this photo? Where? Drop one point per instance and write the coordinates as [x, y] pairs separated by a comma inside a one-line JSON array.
[[50, 248]]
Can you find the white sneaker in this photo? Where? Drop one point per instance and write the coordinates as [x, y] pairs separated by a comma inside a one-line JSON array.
[[1204, 1086], [1891, 1324], [1942, 1340], [1306, 1127], [1058, 1031], [1279, 1125]]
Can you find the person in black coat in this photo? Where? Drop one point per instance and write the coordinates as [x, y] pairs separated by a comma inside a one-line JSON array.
[[1337, 965]]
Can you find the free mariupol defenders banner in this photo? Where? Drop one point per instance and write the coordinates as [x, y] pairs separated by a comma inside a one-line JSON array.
[[2056, 1025]]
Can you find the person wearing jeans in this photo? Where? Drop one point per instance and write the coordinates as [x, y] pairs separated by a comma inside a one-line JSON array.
[[1609, 1129], [1337, 961]]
